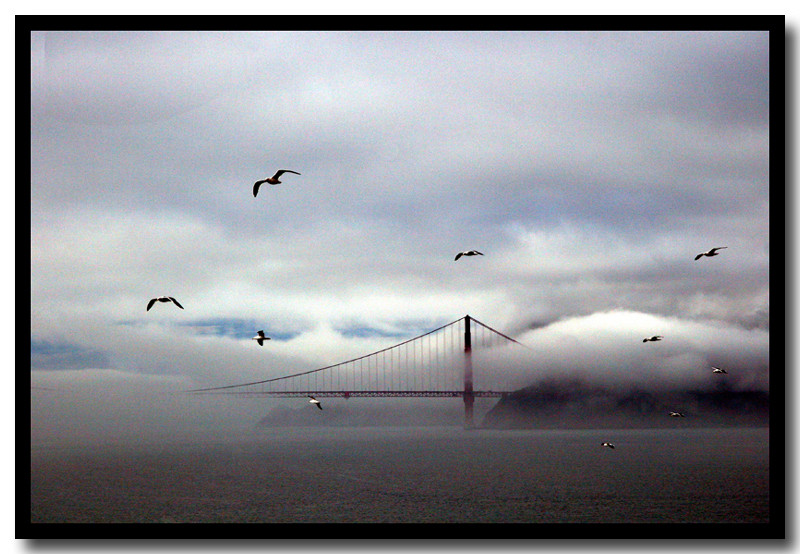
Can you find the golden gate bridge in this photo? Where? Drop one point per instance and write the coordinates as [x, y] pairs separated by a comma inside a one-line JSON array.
[[438, 363]]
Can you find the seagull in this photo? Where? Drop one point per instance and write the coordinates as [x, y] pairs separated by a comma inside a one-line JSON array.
[[163, 299], [271, 180], [655, 338], [469, 253], [717, 370], [260, 338], [314, 401], [676, 414], [712, 252], [608, 445]]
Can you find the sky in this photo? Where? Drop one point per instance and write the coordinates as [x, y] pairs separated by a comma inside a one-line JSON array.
[[588, 167]]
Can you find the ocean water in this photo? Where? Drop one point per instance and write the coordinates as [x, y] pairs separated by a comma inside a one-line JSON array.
[[411, 475]]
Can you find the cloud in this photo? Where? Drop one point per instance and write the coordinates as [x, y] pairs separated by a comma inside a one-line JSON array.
[[590, 168], [117, 78], [607, 348], [59, 356]]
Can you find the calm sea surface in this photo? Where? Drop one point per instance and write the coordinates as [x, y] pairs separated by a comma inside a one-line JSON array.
[[412, 475]]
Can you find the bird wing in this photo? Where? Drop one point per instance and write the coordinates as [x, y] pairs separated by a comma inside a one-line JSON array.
[[700, 255], [717, 248], [282, 171], [260, 342], [476, 252], [319, 405], [150, 304], [256, 185], [459, 255], [176, 302]]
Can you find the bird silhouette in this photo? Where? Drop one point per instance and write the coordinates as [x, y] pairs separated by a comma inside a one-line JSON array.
[[676, 414], [717, 370], [469, 253], [260, 338], [655, 338], [712, 252], [315, 402], [274, 180], [163, 299], [607, 445]]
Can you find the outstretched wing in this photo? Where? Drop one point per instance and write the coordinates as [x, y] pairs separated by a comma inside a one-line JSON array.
[[700, 255], [282, 171], [459, 255], [150, 304], [176, 302], [256, 185]]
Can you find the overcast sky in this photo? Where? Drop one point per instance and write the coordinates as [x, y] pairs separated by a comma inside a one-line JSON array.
[[589, 168]]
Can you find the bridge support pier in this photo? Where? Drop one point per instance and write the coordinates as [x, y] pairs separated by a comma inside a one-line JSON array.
[[469, 396], [468, 420]]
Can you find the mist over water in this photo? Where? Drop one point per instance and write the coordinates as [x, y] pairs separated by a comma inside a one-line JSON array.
[[131, 451]]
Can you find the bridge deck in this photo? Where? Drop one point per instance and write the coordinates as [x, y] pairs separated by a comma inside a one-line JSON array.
[[364, 393]]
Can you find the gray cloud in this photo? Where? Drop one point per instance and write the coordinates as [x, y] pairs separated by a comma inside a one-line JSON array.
[[590, 168]]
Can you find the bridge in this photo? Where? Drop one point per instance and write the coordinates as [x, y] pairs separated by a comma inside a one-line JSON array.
[[438, 363]]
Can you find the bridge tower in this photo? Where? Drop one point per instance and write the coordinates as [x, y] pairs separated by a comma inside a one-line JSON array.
[[469, 397]]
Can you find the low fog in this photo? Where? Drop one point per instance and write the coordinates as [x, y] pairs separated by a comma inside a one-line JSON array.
[[607, 349], [603, 350]]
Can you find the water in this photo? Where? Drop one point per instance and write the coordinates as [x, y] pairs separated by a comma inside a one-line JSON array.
[[412, 475]]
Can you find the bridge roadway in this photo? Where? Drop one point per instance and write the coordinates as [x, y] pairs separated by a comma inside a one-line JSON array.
[[367, 393]]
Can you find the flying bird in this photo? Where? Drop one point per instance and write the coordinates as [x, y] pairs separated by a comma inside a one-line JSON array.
[[608, 445], [676, 414], [717, 370], [469, 253], [260, 338], [314, 401], [712, 252], [163, 299], [655, 338], [274, 180]]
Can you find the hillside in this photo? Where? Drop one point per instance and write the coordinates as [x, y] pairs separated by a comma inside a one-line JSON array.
[[573, 404]]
